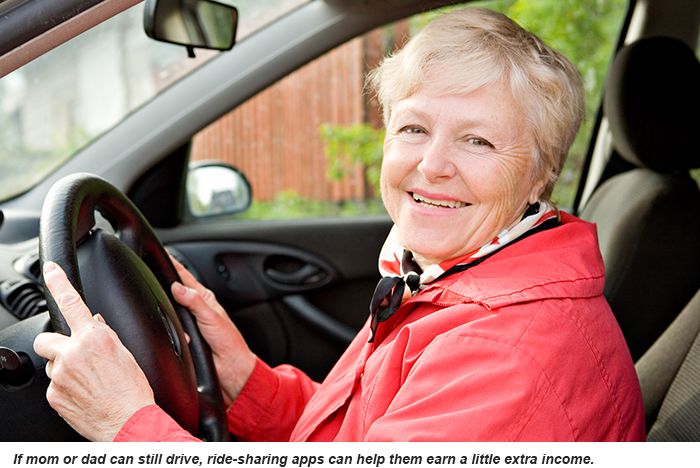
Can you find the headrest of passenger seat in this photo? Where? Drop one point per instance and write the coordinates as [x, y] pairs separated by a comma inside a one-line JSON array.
[[652, 102]]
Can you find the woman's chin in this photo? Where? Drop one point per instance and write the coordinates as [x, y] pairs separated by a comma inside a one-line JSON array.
[[431, 245]]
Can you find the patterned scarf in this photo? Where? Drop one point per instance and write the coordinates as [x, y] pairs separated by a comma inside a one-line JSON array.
[[402, 277]]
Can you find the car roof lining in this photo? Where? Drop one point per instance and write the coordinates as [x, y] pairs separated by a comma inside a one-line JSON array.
[[62, 32]]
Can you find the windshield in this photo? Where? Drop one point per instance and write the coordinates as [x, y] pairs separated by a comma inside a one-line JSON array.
[[57, 104]]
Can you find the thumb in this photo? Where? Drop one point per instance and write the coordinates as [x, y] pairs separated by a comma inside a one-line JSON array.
[[69, 301]]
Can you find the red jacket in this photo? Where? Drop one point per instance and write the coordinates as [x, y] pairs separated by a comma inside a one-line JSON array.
[[520, 347]]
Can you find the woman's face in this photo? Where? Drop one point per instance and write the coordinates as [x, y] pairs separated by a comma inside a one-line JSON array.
[[457, 170]]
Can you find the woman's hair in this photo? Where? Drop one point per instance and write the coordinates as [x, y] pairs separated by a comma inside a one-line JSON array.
[[464, 50]]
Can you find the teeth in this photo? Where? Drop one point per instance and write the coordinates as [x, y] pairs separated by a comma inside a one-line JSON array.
[[439, 203]]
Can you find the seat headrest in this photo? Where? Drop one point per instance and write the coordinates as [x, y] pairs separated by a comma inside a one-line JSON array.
[[652, 102]]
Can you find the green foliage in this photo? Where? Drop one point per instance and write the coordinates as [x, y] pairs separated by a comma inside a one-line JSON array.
[[695, 174], [290, 205], [347, 146]]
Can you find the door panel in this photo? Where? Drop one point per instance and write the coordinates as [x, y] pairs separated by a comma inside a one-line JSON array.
[[297, 290]]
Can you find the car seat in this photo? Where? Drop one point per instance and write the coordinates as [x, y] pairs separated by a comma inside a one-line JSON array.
[[649, 216], [669, 374]]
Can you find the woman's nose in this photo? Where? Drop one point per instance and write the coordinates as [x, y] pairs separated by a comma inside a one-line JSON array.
[[436, 162]]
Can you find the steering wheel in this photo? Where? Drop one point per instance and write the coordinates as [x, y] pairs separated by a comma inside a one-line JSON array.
[[125, 275]]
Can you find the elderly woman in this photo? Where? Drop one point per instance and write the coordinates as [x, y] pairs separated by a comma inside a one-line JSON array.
[[489, 323]]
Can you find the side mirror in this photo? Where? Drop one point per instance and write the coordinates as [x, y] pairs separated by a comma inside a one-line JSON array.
[[205, 24], [215, 189]]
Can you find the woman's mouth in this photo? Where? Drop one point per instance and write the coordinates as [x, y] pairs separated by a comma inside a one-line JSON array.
[[431, 202]]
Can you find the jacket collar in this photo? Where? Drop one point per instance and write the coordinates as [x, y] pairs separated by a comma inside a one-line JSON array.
[[564, 261]]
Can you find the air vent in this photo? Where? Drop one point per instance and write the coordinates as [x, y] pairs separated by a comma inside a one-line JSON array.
[[22, 298], [28, 266]]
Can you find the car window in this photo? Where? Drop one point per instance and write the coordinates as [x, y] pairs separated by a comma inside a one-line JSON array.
[[311, 144], [57, 104]]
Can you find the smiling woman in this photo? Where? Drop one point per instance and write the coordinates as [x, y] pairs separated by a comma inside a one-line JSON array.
[[490, 309]]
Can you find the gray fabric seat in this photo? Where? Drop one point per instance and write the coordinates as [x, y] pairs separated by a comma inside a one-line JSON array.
[[649, 217], [669, 374]]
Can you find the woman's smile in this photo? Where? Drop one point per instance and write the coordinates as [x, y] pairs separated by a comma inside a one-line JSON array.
[[436, 201]]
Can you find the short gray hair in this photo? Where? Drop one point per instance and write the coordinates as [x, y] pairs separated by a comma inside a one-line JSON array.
[[469, 48]]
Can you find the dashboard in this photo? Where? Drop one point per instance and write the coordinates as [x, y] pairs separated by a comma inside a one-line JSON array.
[[21, 293]]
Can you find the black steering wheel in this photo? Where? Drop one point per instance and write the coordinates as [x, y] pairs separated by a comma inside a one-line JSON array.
[[125, 275]]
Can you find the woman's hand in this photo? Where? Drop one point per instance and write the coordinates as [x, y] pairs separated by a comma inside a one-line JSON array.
[[233, 359], [96, 384]]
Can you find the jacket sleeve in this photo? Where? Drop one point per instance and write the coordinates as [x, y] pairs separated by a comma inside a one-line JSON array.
[[270, 404], [152, 424], [267, 409], [467, 388]]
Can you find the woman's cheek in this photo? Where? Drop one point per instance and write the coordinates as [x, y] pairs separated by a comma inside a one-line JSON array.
[[396, 170], [385, 181], [513, 190], [391, 164]]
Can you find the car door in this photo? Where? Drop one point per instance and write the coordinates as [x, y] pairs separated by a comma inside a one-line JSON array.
[[297, 290]]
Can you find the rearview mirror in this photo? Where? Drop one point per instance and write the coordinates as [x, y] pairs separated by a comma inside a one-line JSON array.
[[193, 23]]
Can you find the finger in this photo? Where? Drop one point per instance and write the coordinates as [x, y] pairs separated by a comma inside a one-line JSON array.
[[183, 294], [176, 263], [205, 294], [49, 368], [186, 276], [193, 300], [190, 281], [47, 345], [67, 298]]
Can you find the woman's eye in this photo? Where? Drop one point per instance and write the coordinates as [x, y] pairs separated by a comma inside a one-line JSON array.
[[412, 129], [476, 141]]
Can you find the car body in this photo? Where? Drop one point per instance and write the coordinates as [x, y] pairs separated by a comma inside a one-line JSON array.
[[298, 289]]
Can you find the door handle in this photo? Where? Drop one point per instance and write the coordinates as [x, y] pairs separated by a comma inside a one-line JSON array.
[[306, 275]]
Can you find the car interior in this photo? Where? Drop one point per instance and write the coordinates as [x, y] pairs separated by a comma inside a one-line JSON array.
[[645, 214], [646, 225], [299, 289]]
